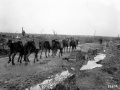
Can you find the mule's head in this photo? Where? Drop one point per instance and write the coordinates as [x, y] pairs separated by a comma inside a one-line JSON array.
[[9, 42]]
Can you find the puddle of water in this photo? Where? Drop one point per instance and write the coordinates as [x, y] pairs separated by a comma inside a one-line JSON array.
[[93, 64], [52, 82], [99, 57]]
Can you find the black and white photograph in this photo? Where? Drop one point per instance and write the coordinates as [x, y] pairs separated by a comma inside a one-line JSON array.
[[59, 44]]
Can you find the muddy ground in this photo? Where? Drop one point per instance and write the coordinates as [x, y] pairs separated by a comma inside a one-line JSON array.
[[19, 77]]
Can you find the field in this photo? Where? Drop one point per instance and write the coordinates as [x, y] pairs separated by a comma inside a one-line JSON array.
[[107, 77]]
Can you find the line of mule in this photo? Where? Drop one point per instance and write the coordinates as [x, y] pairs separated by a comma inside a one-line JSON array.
[[65, 45]]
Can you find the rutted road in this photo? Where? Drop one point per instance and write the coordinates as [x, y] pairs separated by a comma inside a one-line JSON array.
[[20, 76]]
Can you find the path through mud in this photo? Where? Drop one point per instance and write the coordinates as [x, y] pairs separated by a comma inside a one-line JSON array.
[[59, 78], [49, 73]]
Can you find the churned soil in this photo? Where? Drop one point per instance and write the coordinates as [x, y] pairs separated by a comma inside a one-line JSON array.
[[22, 76]]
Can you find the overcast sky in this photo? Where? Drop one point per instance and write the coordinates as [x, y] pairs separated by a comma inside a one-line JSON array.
[[75, 17]]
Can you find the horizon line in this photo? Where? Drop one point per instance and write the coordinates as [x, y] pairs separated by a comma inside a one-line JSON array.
[[57, 34]]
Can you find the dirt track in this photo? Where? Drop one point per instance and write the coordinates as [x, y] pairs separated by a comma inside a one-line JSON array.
[[21, 74], [19, 77]]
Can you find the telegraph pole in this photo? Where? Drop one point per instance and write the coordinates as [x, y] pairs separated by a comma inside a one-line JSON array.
[[53, 32]]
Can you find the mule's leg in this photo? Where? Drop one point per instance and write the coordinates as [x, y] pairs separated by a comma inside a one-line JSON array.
[[21, 58], [53, 52], [72, 48], [64, 49], [41, 54], [61, 51], [49, 52], [10, 57], [27, 60], [26, 57], [13, 58], [68, 49], [46, 53], [18, 59], [75, 47], [36, 56]]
